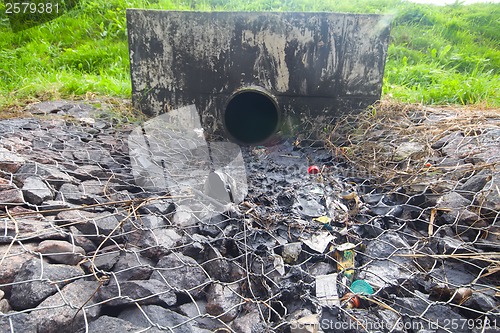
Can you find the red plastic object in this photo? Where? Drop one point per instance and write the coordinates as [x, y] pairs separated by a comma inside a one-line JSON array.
[[312, 170], [355, 302]]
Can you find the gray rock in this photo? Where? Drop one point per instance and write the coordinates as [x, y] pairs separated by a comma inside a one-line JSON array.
[[158, 241], [320, 268], [475, 183], [160, 316], [54, 205], [182, 273], [390, 320], [11, 197], [72, 193], [53, 175], [490, 196], [93, 187], [89, 223], [45, 108], [10, 162], [61, 252], [249, 323], [217, 266], [91, 155], [35, 190], [454, 209], [89, 172], [453, 200], [440, 143], [152, 231], [141, 292], [453, 274], [409, 149], [133, 266], [107, 258], [65, 311], [183, 217], [30, 226], [35, 282], [212, 224], [197, 311], [81, 240], [224, 301], [383, 268], [18, 322], [13, 259], [414, 309], [111, 325], [481, 302]]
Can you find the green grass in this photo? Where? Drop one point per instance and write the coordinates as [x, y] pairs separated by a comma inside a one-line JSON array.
[[437, 55]]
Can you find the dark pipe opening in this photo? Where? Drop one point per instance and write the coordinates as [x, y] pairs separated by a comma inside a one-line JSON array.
[[251, 117]]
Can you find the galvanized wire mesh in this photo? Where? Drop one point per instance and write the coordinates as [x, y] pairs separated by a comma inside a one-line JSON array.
[[86, 249]]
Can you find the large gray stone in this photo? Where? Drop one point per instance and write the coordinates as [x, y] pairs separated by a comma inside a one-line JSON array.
[[89, 223], [383, 267], [490, 196], [418, 312], [37, 280], [182, 273], [19, 322], [111, 325], [133, 266], [137, 292], [65, 311], [54, 175], [454, 209], [36, 191], [250, 322], [81, 240], [72, 193], [406, 150], [29, 225], [160, 316], [10, 162], [224, 301], [93, 187], [159, 241]]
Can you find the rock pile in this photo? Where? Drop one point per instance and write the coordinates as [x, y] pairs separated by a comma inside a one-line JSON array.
[[85, 249]]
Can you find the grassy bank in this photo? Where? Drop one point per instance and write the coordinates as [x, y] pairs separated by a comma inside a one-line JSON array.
[[437, 55]]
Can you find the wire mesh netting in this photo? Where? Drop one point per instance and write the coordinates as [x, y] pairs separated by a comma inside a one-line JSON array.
[[396, 231]]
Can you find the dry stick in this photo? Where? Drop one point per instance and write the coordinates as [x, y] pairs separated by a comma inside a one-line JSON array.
[[484, 256], [118, 202], [88, 300]]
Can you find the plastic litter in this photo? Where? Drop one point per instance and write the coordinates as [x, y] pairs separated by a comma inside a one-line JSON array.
[[361, 287], [345, 259], [326, 290], [319, 242], [313, 170]]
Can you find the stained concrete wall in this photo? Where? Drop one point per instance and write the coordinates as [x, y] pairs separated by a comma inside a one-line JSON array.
[[316, 65]]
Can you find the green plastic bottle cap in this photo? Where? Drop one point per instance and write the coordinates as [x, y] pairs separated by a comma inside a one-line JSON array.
[[361, 287]]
